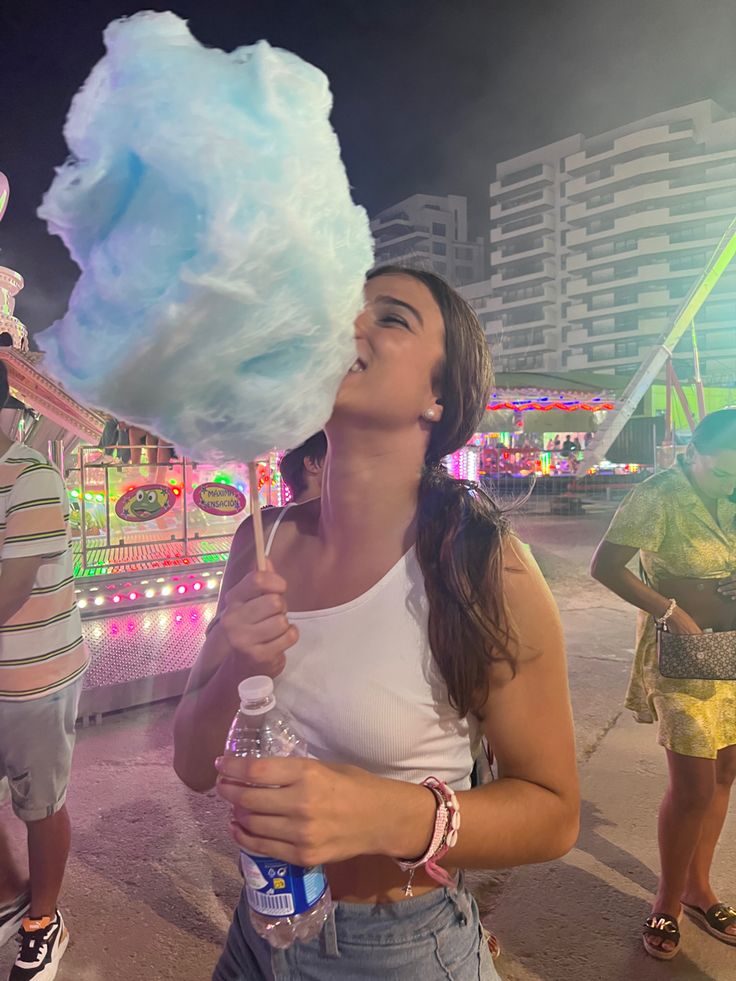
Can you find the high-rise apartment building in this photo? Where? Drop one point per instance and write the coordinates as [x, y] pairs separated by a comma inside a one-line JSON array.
[[596, 241], [431, 232]]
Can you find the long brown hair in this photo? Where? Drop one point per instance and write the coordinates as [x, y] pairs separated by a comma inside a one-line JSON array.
[[460, 528]]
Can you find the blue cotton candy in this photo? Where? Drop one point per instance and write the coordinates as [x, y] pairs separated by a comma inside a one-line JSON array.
[[222, 258]]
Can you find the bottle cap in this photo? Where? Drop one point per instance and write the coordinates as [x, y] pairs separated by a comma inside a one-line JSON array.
[[255, 689]]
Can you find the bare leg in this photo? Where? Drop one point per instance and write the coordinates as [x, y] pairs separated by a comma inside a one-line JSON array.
[[48, 850], [682, 815], [152, 450], [698, 890], [12, 882], [136, 437]]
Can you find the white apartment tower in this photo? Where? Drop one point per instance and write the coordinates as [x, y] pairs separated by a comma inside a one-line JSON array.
[[431, 232], [596, 241], [523, 309]]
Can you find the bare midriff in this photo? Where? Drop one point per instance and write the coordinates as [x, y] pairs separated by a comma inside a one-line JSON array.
[[374, 879]]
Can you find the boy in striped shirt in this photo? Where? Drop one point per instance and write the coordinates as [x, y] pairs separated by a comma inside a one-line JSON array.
[[42, 660]]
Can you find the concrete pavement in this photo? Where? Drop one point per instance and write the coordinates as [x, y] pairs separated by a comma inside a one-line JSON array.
[[581, 918], [152, 879]]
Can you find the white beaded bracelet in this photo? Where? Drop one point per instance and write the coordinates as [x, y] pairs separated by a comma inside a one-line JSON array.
[[661, 621]]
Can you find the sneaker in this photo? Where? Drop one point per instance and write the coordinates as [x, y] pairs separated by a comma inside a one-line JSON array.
[[42, 944], [11, 917]]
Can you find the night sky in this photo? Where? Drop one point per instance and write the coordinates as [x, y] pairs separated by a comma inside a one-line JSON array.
[[428, 95]]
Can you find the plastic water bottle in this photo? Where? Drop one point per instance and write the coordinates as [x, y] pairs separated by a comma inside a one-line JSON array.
[[287, 902]]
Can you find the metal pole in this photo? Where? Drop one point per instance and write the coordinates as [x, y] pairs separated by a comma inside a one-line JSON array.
[[56, 454], [83, 505], [107, 507], [699, 391], [683, 398], [654, 445], [184, 495]]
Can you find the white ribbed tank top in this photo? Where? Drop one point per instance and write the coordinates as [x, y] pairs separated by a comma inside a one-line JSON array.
[[364, 689]]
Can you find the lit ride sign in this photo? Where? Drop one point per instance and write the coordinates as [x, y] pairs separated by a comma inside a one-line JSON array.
[[220, 499], [145, 503]]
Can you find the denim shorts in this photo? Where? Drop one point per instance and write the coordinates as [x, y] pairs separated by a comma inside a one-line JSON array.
[[36, 745], [434, 937]]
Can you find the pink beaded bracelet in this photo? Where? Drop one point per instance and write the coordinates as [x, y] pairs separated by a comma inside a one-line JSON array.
[[444, 836]]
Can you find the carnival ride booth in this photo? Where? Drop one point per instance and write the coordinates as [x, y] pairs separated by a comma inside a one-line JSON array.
[[149, 542], [534, 434]]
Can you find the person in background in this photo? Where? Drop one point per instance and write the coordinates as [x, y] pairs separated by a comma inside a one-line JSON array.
[[42, 660], [568, 446], [302, 468], [682, 524]]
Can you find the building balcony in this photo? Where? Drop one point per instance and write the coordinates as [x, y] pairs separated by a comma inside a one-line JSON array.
[[494, 325], [660, 218], [646, 246], [543, 199], [506, 185], [577, 361], [502, 255], [630, 145], [538, 297], [579, 213], [546, 270], [685, 173], [508, 346], [577, 336], [620, 226], [533, 225], [605, 362], [552, 362], [646, 300], [652, 325], [645, 274]]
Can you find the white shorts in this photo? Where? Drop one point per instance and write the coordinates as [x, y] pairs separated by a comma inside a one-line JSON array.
[[36, 745]]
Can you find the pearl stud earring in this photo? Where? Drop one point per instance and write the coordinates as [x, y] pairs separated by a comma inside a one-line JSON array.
[[429, 414]]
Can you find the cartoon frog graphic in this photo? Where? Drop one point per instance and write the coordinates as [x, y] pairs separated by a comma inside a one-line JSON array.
[[145, 503]]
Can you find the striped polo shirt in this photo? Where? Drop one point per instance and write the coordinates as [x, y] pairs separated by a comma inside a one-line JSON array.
[[41, 646]]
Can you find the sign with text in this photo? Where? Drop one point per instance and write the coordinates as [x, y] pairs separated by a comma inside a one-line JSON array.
[[220, 499]]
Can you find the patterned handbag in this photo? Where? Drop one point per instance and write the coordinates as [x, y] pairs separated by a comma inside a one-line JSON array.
[[701, 657]]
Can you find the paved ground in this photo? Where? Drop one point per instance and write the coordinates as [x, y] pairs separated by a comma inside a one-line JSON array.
[[152, 879]]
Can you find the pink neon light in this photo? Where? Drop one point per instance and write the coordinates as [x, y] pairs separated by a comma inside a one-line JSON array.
[[197, 586], [133, 596], [116, 599], [181, 589]]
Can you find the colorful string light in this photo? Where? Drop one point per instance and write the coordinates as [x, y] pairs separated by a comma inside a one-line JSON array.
[[544, 406]]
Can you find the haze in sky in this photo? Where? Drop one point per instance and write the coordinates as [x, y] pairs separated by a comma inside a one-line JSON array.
[[429, 94]]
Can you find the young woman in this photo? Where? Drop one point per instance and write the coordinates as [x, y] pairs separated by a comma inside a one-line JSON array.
[[683, 525], [416, 623]]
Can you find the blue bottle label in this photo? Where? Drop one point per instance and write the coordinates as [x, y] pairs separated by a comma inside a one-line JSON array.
[[278, 889]]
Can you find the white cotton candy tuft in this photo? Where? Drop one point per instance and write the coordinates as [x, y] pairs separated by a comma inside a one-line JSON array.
[[222, 257]]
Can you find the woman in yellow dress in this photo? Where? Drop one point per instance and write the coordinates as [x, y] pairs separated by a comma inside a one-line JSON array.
[[682, 524]]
